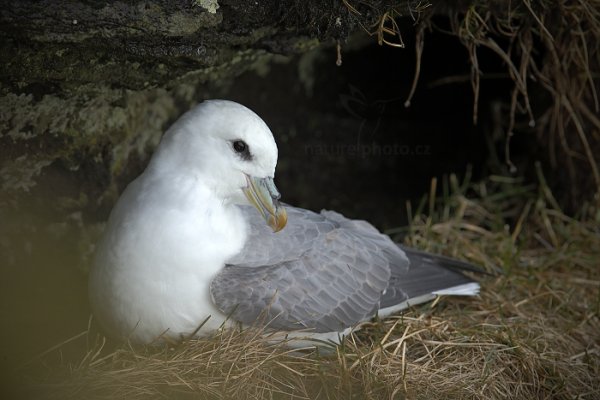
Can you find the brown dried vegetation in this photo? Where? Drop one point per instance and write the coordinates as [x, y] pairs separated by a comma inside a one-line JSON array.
[[533, 332]]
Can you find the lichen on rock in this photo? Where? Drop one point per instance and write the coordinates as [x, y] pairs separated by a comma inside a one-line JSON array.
[[209, 5]]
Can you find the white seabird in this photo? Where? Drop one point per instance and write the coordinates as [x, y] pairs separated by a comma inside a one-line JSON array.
[[187, 244]]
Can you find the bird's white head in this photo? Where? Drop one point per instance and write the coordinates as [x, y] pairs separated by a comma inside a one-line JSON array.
[[233, 152]]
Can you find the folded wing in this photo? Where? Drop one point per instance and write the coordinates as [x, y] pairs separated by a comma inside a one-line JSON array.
[[324, 273]]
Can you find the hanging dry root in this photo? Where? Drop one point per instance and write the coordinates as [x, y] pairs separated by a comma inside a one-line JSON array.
[[546, 46]]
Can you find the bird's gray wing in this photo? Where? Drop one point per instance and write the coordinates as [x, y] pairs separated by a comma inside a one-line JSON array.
[[331, 281], [265, 247], [427, 274]]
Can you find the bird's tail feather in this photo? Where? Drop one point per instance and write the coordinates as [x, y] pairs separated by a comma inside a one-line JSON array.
[[447, 262], [429, 275]]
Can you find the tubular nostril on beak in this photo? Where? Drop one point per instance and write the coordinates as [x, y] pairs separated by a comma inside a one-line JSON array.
[[263, 194]]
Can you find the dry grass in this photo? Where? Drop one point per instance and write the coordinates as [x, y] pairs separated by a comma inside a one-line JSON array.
[[533, 333], [552, 45], [551, 52]]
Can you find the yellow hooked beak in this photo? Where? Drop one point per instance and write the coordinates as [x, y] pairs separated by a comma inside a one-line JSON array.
[[262, 194]]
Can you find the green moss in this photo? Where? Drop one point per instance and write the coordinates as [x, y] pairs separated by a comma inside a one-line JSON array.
[[209, 5]]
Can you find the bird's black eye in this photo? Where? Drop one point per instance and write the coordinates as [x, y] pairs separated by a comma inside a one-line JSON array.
[[240, 147]]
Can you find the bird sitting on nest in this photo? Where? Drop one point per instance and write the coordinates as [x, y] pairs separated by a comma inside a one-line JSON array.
[[200, 238]]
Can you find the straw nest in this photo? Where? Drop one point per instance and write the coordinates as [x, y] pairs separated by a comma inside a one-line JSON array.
[[534, 332]]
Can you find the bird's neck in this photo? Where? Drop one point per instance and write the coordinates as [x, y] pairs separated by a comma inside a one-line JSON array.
[[214, 229]]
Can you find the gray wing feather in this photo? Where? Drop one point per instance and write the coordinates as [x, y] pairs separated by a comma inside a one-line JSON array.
[[428, 273], [263, 247], [332, 280], [323, 272]]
